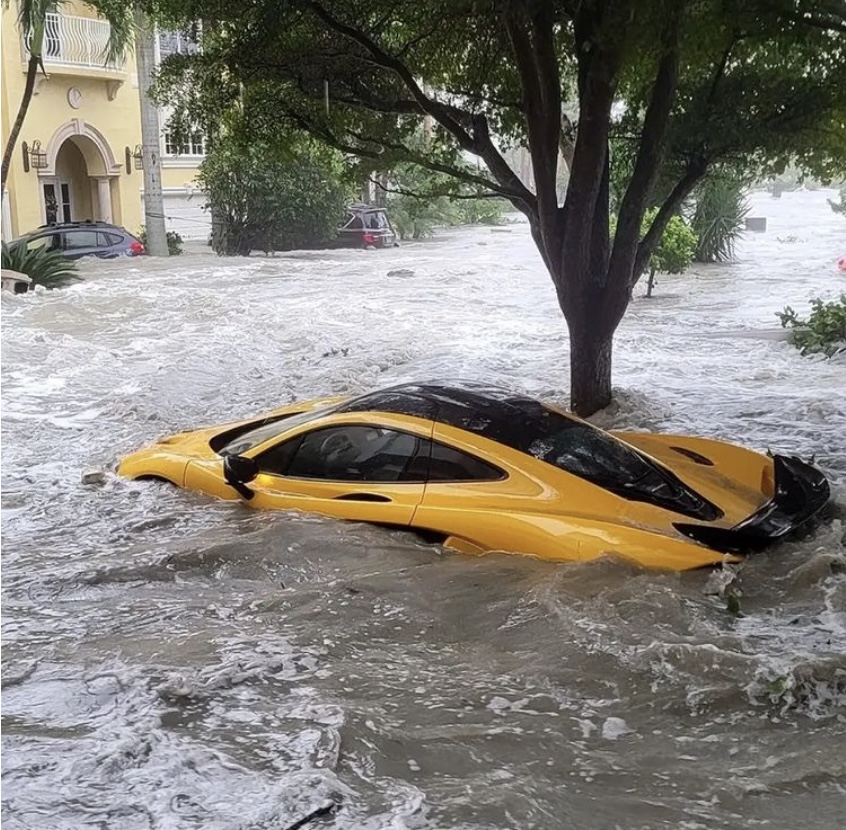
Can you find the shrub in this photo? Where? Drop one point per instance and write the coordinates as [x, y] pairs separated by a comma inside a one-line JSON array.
[[719, 218], [174, 241], [675, 250], [273, 196], [825, 329], [43, 267]]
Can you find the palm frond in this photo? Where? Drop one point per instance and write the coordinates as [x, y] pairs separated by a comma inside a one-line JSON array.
[[33, 12], [43, 267], [719, 218], [120, 15]]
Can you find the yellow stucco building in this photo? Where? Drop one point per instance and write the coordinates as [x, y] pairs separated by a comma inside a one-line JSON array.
[[85, 119]]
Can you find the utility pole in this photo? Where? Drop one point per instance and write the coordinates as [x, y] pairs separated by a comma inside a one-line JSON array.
[[154, 220]]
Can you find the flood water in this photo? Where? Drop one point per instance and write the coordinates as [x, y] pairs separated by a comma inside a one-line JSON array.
[[172, 662]]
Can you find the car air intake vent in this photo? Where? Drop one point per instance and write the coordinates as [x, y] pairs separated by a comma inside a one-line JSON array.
[[694, 456]]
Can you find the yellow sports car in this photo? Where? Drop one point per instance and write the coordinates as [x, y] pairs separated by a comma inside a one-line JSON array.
[[483, 469]]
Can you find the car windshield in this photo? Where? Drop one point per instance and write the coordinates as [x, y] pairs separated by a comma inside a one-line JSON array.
[[243, 439]]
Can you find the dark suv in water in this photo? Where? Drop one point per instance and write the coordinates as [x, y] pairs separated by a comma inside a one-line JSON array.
[[78, 239]]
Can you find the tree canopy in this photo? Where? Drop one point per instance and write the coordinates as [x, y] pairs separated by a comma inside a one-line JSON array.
[[679, 86]]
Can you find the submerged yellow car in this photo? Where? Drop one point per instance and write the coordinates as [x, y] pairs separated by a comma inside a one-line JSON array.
[[483, 469]]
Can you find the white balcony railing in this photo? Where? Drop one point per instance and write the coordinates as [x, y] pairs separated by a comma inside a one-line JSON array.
[[76, 41]]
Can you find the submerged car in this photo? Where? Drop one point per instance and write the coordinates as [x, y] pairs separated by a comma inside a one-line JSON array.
[[74, 240], [484, 469], [366, 226]]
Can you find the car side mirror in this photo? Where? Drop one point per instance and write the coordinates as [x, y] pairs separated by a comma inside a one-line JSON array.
[[237, 471]]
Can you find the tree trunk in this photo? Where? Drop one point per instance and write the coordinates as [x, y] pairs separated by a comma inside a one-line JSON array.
[[590, 368], [651, 282], [154, 218], [31, 72]]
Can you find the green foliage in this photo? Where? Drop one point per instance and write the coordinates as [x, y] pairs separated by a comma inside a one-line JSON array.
[[273, 196], [677, 246], [420, 200], [480, 211], [684, 88], [839, 207], [675, 249], [823, 332], [417, 202], [43, 267], [719, 218], [174, 241]]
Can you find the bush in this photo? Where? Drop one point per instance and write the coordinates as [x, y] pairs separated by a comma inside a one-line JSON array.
[[824, 331], [719, 218], [43, 267], [174, 241], [273, 197], [675, 250]]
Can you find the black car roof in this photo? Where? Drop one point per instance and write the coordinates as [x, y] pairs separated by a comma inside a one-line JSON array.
[[525, 424], [490, 411]]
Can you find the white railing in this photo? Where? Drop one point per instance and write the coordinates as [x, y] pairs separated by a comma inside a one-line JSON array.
[[76, 41]]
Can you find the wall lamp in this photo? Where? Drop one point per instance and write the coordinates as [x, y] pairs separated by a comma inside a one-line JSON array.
[[135, 154], [33, 156]]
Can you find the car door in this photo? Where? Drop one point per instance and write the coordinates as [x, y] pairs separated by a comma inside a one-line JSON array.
[[80, 243], [472, 501], [364, 472]]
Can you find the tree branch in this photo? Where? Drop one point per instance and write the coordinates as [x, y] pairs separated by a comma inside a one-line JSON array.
[[567, 139], [478, 143], [449, 170], [431, 194], [598, 64], [721, 71], [540, 80], [695, 171], [383, 59], [830, 21], [650, 153]]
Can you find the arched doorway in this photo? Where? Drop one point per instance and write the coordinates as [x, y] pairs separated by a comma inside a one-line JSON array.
[[81, 179]]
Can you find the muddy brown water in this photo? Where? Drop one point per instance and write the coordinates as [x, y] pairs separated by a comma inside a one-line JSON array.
[[173, 662]]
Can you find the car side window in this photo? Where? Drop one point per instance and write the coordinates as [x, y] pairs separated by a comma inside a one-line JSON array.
[[277, 459], [449, 464], [345, 453], [105, 240], [80, 239], [47, 242]]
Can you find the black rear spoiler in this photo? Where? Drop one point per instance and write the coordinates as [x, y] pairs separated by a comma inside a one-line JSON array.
[[801, 491]]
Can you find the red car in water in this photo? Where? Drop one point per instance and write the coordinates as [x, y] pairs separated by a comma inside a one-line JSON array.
[[366, 226]]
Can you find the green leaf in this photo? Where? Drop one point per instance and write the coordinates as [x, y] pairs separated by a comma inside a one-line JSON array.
[[43, 267]]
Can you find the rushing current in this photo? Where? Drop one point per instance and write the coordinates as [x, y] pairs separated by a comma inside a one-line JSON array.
[[173, 662]]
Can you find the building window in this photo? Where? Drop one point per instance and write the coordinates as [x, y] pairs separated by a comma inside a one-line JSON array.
[[192, 144], [176, 43]]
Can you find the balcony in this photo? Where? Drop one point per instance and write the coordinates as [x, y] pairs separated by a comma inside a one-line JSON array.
[[74, 43]]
